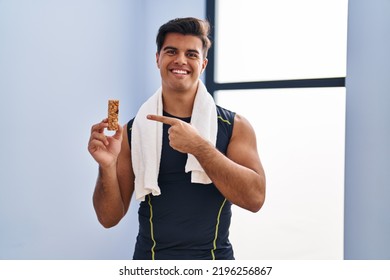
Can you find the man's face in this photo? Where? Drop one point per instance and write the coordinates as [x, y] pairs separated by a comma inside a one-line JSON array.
[[181, 62]]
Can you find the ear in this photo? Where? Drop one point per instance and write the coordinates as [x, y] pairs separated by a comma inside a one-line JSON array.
[[157, 60], [204, 64]]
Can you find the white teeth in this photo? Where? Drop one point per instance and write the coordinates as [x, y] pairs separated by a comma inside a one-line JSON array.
[[179, 71]]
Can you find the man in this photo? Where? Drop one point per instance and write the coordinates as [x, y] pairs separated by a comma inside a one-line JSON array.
[[182, 219]]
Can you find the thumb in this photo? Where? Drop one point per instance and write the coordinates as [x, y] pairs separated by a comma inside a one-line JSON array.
[[118, 133]]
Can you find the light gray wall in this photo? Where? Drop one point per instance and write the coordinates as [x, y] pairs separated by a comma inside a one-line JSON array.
[[367, 182], [59, 63]]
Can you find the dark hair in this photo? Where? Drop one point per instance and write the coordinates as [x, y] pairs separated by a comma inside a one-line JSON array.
[[186, 26]]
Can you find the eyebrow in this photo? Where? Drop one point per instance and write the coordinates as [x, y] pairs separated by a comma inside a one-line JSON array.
[[194, 51], [173, 48], [169, 48]]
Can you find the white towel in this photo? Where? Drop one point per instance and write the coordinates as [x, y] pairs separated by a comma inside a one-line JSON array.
[[146, 141]]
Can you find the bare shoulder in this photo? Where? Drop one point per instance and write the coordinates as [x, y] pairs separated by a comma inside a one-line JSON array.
[[243, 144], [242, 129], [124, 162], [125, 150]]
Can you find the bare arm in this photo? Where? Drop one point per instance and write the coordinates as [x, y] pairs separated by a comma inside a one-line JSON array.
[[115, 182], [239, 175]]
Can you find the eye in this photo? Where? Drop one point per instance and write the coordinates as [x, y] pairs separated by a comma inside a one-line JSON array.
[[170, 52], [192, 55]]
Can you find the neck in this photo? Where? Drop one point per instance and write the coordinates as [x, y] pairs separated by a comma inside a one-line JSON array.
[[179, 104]]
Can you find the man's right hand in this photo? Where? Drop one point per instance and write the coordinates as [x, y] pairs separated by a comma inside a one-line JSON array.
[[104, 149]]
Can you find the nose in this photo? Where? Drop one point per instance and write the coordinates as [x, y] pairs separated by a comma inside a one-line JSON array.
[[181, 58]]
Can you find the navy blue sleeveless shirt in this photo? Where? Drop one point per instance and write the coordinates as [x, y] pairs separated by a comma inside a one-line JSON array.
[[187, 221]]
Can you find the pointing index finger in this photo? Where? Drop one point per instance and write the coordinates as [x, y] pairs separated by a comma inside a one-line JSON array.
[[163, 119]]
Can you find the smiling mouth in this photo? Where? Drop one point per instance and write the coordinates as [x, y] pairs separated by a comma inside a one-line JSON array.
[[180, 72]]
